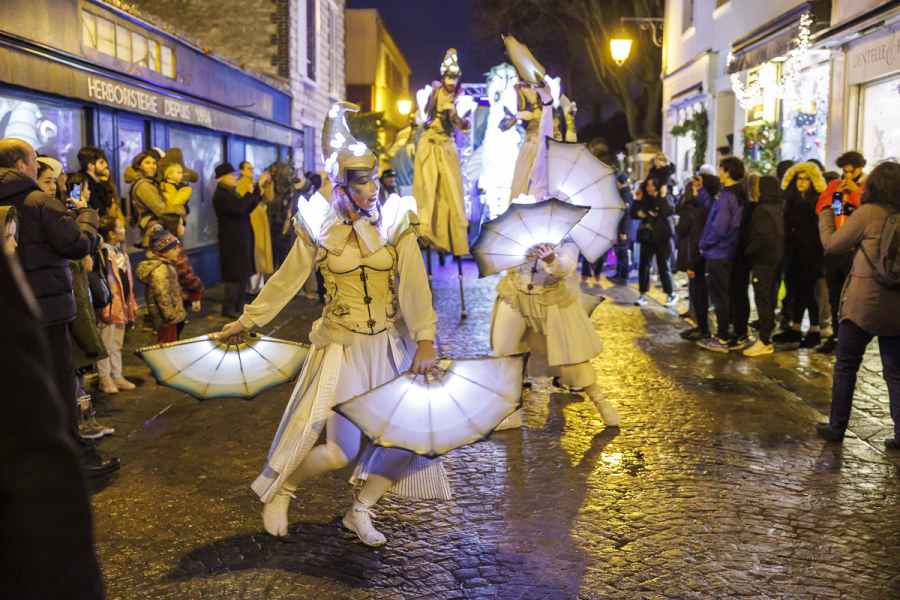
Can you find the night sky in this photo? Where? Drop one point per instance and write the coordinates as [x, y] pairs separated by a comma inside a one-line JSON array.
[[426, 29]]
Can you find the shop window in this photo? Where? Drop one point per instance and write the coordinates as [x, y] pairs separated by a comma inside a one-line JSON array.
[[311, 30], [333, 50], [138, 49], [88, 30], [152, 56], [106, 36], [52, 130], [123, 43], [260, 156], [687, 15], [804, 122], [879, 126], [202, 152], [167, 62]]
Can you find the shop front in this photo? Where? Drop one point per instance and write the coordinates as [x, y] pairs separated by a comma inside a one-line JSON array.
[[873, 77], [59, 101], [686, 106]]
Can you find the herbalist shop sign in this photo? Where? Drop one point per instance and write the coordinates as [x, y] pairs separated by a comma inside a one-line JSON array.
[[130, 97], [874, 56]]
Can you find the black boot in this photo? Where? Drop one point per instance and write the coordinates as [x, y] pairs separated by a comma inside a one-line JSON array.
[[828, 345], [811, 339]]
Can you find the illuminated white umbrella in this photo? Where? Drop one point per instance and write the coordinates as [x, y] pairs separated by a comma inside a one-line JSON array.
[[526, 64], [205, 368], [575, 175], [510, 240], [461, 403]]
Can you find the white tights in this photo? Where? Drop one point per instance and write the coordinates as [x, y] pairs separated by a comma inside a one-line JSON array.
[[342, 446]]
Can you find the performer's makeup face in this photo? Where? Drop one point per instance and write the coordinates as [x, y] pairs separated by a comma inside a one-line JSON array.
[[363, 188], [450, 82]]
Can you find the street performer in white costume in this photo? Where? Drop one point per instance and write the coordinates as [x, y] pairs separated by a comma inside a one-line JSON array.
[[378, 322], [538, 311]]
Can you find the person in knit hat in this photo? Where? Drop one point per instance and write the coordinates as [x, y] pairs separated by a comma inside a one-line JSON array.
[[162, 291]]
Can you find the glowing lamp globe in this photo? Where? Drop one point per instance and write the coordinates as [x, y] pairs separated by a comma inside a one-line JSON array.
[[620, 49], [404, 106]]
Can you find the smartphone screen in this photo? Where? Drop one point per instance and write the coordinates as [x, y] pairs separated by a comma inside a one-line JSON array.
[[836, 206], [75, 194]]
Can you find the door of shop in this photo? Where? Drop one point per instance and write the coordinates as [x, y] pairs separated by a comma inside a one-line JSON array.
[[133, 137]]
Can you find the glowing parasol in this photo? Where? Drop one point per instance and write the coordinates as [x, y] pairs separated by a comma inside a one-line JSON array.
[[510, 240], [461, 403], [528, 67], [205, 368], [575, 175]]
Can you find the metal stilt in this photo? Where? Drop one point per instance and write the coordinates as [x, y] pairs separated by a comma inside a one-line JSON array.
[[428, 265], [462, 293]]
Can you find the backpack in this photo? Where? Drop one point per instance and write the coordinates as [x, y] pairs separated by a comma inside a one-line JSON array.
[[98, 282], [887, 268]]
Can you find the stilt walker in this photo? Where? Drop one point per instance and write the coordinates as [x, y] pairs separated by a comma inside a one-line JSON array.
[[378, 322], [438, 180], [537, 311]]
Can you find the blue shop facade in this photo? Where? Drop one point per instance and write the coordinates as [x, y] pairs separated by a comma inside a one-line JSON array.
[[80, 72]]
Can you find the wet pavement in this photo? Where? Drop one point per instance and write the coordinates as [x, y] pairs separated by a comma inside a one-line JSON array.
[[714, 486]]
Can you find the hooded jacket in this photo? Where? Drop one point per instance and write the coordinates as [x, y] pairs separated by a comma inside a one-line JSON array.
[[692, 218], [765, 240], [720, 234], [48, 239], [802, 245], [147, 200], [162, 292]]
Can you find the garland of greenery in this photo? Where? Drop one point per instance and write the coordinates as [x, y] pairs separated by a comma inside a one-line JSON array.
[[698, 127], [761, 145]]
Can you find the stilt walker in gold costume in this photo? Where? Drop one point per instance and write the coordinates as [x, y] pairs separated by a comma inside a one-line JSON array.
[[438, 180]]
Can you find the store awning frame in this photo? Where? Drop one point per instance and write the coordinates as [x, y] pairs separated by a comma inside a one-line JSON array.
[[772, 40]]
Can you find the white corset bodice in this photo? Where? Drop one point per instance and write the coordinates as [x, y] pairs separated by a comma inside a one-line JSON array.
[[360, 292]]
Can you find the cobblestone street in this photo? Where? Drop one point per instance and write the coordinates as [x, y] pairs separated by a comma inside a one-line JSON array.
[[714, 486]]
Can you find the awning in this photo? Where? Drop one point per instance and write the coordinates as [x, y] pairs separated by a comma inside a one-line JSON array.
[[775, 38]]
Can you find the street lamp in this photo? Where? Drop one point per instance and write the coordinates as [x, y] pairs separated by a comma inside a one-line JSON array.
[[404, 106], [620, 45]]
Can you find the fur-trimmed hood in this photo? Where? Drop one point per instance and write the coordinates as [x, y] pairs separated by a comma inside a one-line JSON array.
[[815, 176]]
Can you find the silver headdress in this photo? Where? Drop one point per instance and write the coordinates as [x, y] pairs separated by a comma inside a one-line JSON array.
[[450, 66], [340, 150]]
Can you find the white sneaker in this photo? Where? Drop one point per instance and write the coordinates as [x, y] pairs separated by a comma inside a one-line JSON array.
[[759, 348], [359, 520], [672, 300], [275, 513], [122, 384], [641, 301]]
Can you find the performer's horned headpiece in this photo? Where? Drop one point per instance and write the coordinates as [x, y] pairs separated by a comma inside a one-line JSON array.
[[340, 150]]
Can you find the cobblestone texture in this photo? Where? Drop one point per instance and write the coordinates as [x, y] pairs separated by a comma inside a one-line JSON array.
[[714, 486]]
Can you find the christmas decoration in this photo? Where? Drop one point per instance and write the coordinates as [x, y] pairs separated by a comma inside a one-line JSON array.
[[697, 126], [761, 145]]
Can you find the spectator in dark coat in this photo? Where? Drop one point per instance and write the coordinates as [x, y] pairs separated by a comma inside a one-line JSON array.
[[654, 207], [46, 545], [718, 244], [691, 222], [804, 256], [94, 167], [48, 238], [236, 242], [622, 243], [663, 171], [867, 308], [765, 251]]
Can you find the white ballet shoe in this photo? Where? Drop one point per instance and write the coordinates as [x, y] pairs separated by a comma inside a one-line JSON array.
[[359, 520], [275, 512], [610, 415]]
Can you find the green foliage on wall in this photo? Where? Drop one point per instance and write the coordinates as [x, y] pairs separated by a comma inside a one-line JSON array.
[[761, 145], [696, 126], [368, 128]]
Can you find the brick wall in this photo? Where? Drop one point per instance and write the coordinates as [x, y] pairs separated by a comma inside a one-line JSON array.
[[245, 30]]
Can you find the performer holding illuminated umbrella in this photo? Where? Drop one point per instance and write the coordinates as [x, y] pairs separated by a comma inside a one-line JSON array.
[[536, 309], [377, 323]]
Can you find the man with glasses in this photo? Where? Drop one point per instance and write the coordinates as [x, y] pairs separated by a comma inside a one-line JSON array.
[[842, 196]]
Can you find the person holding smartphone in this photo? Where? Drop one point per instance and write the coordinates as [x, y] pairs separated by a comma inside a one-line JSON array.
[[842, 196]]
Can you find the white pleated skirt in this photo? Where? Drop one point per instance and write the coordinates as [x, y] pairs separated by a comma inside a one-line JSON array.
[[334, 374]]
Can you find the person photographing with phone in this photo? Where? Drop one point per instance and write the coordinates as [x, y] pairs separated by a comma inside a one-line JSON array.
[[842, 196]]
